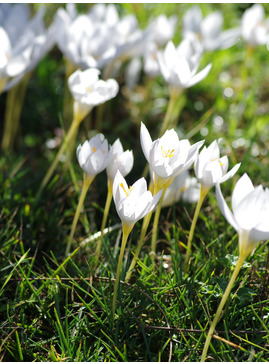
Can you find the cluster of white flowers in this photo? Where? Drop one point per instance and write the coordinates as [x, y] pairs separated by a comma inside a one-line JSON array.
[[24, 42], [102, 39]]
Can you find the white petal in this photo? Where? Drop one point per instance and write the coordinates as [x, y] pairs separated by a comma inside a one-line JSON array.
[[225, 209], [250, 211], [145, 140], [230, 174], [258, 234], [242, 188], [118, 191], [199, 76]]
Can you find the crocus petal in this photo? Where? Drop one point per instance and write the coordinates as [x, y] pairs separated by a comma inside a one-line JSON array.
[[199, 76], [230, 174], [249, 212], [146, 141], [260, 233], [225, 209], [242, 188]]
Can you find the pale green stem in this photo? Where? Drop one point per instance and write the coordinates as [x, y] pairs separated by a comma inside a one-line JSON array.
[[203, 193], [145, 225], [105, 216], [68, 99], [2, 84], [155, 226], [86, 184], [169, 112], [221, 305], [73, 129], [99, 117], [125, 233], [14, 104]]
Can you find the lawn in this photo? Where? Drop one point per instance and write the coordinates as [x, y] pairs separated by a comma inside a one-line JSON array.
[[58, 307]]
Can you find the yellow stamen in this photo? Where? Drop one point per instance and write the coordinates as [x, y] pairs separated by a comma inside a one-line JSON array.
[[94, 150], [213, 160], [129, 189], [168, 153]]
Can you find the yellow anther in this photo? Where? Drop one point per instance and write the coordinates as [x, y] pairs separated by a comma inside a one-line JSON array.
[[126, 192], [213, 160], [168, 153], [94, 150]]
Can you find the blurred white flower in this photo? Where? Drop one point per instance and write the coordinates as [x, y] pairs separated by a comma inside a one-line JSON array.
[[119, 160], [208, 30], [162, 29], [93, 155], [11, 63], [135, 202], [179, 65], [167, 156], [151, 64], [210, 168], [88, 91], [98, 38], [249, 216], [24, 41], [254, 26], [183, 186]]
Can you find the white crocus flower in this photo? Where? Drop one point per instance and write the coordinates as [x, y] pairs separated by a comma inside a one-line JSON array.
[[93, 159], [208, 30], [162, 29], [93, 155], [119, 160], [179, 66], [88, 91], [132, 204], [135, 202], [249, 216], [254, 26], [167, 156], [210, 168]]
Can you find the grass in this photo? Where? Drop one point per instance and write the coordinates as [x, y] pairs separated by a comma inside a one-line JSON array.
[[58, 309]]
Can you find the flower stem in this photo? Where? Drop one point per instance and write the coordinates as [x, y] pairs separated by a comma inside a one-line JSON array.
[[125, 233], [155, 226], [72, 130], [15, 99], [222, 303], [145, 225], [203, 193], [86, 184], [170, 112], [106, 211]]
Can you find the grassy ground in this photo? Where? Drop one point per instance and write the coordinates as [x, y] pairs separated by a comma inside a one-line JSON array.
[[58, 309]]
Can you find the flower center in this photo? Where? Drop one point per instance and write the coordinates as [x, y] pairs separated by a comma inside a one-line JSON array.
[[167, 153], [126, 192], [94, 150], [213, 160]]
